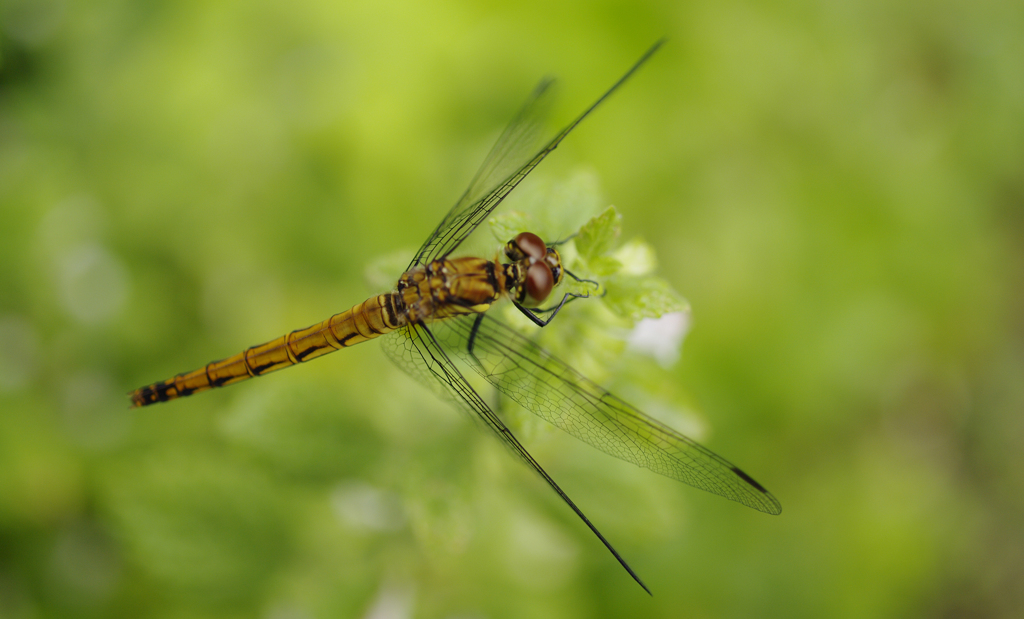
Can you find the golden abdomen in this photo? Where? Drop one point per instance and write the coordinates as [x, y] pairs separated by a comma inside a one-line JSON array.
[[362, 322], [439, 290]]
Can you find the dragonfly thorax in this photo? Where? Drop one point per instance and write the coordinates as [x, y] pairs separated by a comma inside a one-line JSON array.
[[536, 269]]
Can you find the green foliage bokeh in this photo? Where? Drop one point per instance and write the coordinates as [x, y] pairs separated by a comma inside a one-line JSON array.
[[836, 189]]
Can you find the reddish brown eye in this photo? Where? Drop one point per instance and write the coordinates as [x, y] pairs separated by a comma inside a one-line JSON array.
[[531, 245], [539, 281]]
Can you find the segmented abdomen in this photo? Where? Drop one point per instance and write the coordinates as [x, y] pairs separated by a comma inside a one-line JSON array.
[[365, 321]]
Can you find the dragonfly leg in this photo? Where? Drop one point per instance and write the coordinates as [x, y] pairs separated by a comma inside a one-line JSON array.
[[563, 241], [588, 281], [532, 313], [472, 339]]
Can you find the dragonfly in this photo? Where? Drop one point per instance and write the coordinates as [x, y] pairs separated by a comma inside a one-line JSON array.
[[437, 315]]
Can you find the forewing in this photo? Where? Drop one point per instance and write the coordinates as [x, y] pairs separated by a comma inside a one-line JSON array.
[[417, 352], [551, 389], [513, 151], [507, 165]]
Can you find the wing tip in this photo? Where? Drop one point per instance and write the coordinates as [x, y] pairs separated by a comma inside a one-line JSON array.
[[772, 506]]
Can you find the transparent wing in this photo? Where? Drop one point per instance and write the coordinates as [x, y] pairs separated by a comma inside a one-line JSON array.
[[417, 352], [504, 167], [516, 145], [549, 388]]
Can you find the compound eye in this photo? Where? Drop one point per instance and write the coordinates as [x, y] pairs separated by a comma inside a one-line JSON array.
[[539, 281], [526, 245]]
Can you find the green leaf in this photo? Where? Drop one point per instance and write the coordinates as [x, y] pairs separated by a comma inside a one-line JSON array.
[[551, 210], [597, 237], [636, 298], [505, 226], [603, 266], [636, 257]]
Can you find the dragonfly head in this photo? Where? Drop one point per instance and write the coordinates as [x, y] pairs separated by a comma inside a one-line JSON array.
[[538, 266]]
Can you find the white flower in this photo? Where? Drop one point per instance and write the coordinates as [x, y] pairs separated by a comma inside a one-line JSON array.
[[661, 338]]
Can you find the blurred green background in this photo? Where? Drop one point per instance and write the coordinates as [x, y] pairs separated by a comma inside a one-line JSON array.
[[837, 189]]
